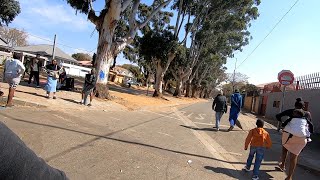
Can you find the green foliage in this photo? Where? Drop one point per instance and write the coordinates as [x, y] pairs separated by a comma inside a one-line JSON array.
[[82, 57], [9, 9], [157, 46]]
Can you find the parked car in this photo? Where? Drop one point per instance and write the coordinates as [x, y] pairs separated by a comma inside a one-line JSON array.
[[129, 83]]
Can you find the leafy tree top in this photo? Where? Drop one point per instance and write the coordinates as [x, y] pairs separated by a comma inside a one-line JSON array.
[[9, 9]]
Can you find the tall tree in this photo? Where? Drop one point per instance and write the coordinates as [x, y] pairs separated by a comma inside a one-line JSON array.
[[13, 37], [9, 9], [117, 24]]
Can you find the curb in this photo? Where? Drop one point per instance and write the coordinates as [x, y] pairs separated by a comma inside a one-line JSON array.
[[20, 102]]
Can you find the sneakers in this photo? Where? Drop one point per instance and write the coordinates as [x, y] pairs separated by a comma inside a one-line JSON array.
[[246, 169], [231, 128], [54, 97], [309, 140], [255, 177]]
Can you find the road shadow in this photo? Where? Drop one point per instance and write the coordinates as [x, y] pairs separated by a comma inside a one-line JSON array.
[[208, 129], [70, 100], [107, 136], [242, 175], [31, 93]]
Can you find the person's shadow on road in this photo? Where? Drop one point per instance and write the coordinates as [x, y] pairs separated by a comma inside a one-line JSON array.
[[238, 174]]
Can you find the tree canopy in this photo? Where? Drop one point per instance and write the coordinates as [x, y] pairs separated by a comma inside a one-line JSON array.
[[82, 57], [13, 37], [9, 9]]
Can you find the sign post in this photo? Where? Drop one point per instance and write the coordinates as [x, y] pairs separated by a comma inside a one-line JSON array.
[[285, 78]]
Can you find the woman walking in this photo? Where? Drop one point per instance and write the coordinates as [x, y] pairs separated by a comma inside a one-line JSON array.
[[236, 105], [291, 143], [53, 71]]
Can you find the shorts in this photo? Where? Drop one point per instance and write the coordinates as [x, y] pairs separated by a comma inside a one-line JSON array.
[[13, 82]]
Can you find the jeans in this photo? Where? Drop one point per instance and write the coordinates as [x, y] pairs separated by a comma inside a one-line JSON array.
[[259, 152], [218, 118]]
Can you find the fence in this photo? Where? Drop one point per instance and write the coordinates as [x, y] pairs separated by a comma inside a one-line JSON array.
[[310, 81]]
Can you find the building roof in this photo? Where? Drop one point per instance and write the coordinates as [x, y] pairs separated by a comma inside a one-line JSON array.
[[3, 42], [122, 71], [46, 50]]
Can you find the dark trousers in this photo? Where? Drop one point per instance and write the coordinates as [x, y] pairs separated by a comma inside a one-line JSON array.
[[34, 74]]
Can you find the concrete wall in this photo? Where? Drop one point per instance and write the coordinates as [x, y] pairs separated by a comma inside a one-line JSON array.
[[248, 103], [310, 96]]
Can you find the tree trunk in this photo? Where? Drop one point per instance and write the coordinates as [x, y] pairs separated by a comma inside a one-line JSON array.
[[158, 81], [179, 88], [188, 89], [194, 91], [160, 72], [106, 50]]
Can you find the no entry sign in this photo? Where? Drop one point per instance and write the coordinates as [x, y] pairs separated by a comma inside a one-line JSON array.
[[285, 77]]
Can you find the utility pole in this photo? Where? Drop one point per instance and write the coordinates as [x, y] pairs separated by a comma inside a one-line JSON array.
[[54, 46], [234, 76]]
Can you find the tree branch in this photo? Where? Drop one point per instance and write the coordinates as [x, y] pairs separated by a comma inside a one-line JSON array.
[[153, 13], [93, 17], [178, 19], [125, 5]]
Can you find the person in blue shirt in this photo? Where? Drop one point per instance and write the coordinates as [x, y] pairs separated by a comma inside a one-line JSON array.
[[236, 104]]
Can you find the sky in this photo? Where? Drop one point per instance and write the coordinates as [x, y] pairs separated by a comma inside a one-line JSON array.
[[292, 45]]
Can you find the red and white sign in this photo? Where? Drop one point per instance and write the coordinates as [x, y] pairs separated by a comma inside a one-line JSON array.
[[285, 77]]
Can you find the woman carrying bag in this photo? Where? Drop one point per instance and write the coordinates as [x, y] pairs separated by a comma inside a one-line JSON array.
[[53, 71]]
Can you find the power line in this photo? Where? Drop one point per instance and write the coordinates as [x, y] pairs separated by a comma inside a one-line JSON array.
[[268, 33]]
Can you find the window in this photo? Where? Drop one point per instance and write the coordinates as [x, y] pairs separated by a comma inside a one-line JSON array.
[[276, 104]]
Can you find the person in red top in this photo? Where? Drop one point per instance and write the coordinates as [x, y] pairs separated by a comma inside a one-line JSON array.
[[259, 140]]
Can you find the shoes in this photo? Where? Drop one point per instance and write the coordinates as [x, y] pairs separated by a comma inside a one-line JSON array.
[[47, 96], [246, 169], [309, 140], [231, 128], [255, 177], [38, 86], [54, 97], [89, 105], [218, 129]]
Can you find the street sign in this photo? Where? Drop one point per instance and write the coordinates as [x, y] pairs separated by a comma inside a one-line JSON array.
[[285, 77]]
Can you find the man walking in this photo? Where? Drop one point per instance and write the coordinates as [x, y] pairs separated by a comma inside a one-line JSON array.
[[236, 104], [35, 70], [12, 75], [219, 105]]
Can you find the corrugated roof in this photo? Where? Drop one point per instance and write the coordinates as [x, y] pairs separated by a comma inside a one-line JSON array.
[[45, 49]]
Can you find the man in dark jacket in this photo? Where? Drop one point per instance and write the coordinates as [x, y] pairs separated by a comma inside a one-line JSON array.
[[17, 161], [219, 106]]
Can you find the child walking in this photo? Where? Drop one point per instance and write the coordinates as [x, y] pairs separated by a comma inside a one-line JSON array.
[[259, 140]]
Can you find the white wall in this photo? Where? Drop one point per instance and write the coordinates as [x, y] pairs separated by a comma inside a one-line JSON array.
[[74, 70]]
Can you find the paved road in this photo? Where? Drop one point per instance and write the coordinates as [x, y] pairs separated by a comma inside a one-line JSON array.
[[167, 143]]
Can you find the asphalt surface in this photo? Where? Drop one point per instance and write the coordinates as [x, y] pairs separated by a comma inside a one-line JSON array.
[[166, 143]]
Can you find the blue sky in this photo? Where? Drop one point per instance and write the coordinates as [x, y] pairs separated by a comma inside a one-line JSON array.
[[293, 44]]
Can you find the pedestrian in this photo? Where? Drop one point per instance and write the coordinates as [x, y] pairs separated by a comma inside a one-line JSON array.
[[291, 143], [259, 140], [20, 162], [35, 70], [88, 88], [236, 104], [13, 72], [219, 105], [53, 71]]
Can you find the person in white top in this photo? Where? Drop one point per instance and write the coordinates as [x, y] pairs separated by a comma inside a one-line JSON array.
[[13, 71], [35, 70]]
